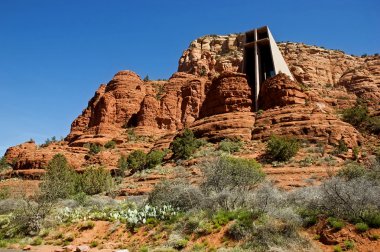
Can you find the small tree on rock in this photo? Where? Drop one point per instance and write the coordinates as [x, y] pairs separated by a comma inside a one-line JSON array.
[[185, 145]]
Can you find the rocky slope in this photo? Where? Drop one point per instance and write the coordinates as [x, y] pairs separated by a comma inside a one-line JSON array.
[[211, 97]]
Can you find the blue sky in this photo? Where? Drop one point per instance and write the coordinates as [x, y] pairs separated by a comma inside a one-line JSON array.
[[54, 54]]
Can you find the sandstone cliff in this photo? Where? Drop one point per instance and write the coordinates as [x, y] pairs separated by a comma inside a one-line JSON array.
[[211, 97]]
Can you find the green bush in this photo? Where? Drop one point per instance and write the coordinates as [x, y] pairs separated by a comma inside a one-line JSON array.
[[228, 179], [94, 244], [94, 149], [222, 217], [281, 148], [335, 223], [136, 160], [110, 145], [86, 225], [49, 141], [176, 193], [180, 244], [95, 180], [372, 218], [236, 232], [361, 227], [341, 147], [373, 125], [122, 163], [356, 115], [337, 248], [228, 173], [60, 180], [230, 146], [309, 216], [36, 241], [351, 171], [355, 152], [185, 145], [3, 244], [3, 164], [348, 244], [154, 158], [4, 193]]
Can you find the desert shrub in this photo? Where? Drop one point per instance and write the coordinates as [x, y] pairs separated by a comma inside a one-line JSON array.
[[236, 232], [266, 198], [222, 217], [160, 90], [110, 145], [348, 244], [373, 125], [94, 244], [28, 218], [4, 193], [373, 172], [136, 160], [355, 152], [122, 164], [3, 164], [351, 171], [37, 241], [94, 149], [146, 78], [95, 180], [154, 158], [361, 227], [86, 225], [3, 243], [309, 216], [180, 244], [48, 141], [185, 145], [227, 179], [356, 115], [176, 193], [372, 218], [132, 136], [341, 147], [349, 199], [337, 248], [191, 221], [230, 146], [335, 223], [60, 180], [269, 234], [281, 148]]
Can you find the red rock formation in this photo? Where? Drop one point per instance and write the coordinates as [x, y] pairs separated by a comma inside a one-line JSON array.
[[216, 105], [213, 54], [226, 125], [316, 122], [316, 66], [229, 92], [226, 111], [364, 81], [112, 107], [288, 111], [30, 156], [281, 91]]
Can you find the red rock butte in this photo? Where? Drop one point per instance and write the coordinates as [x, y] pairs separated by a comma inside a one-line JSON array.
[[210, 95]]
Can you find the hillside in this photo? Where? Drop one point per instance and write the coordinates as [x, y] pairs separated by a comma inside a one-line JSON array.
[[158, 110], [211, 97]]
